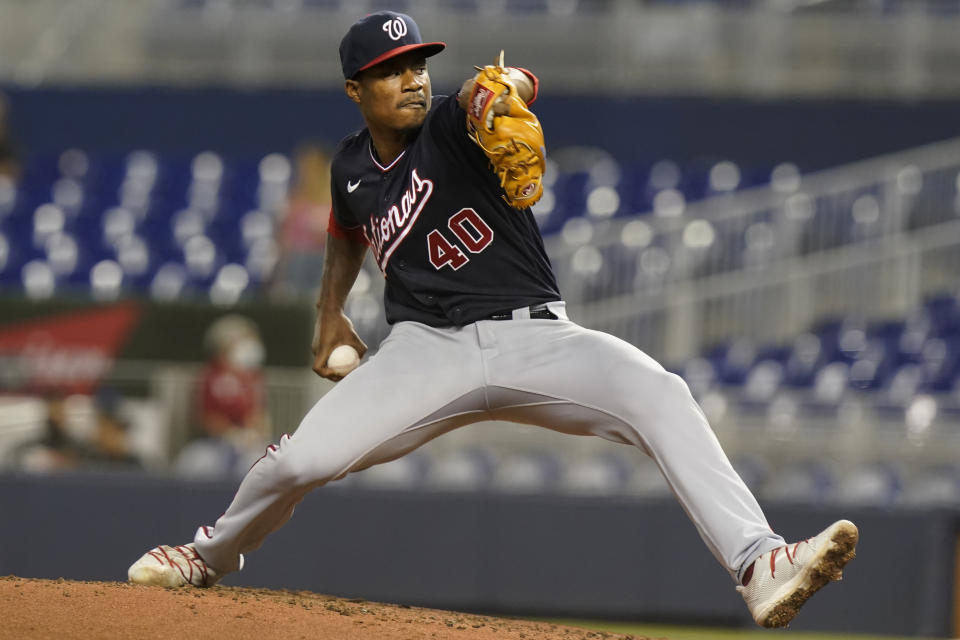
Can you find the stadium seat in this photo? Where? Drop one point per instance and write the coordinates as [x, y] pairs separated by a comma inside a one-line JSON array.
[[761, 384], [874, 484], [803, 481], [733, 361], [723, 177], [527, 472], [759, 244], [700, 374], [599, 474], [465, 469], [571, 190], [168, 282], [936, 486], [785, 178], [406, 473], [828, 391], [941, 364], [943, 314]]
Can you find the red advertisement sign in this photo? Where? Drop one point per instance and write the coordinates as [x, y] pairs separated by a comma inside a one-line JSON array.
[[68, 352]]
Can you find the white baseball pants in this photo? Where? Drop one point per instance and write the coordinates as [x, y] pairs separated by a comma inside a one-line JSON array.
[[425, 381]]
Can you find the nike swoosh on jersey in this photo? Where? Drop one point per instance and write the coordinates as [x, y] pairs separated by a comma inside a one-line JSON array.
[[352, 186]]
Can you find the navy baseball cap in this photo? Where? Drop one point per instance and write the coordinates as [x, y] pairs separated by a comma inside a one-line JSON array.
[[381, 36]]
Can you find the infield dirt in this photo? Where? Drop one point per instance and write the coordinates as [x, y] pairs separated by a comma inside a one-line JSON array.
[[35, 609]]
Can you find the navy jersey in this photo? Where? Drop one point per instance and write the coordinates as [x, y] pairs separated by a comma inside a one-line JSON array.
[[451, 249]]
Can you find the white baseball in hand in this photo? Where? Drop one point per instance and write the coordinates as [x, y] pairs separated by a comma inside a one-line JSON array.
[[343, 360]]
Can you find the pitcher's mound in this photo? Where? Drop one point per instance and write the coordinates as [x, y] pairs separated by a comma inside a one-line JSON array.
[[63, 609]]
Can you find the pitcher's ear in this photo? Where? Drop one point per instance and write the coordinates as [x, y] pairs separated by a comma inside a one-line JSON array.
[[352, 89]]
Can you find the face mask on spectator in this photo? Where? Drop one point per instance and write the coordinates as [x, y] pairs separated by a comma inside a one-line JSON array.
[[248, 353]]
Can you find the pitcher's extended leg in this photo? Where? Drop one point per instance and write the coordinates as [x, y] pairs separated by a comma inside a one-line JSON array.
[[612, 389], [373, 415], [388, 406]]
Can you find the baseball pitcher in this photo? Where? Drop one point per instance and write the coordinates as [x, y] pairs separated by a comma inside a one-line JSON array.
[[439, 190]]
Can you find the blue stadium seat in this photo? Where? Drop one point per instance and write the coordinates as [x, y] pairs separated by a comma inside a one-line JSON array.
[[700, 374], [733, 361], [599, 474], [227, 235], [137, 261], [635, 197], [590, 274], [943, 312], [806, 354], [403, 474], [7, 262], [901, 387], [762, 384], [941, 364], [467, 469], [169, 281], [889, 365], [829, 390], [753, 176], [722, 178], [873, 484], [948, 403], [803, 481], [527, 472], [14, 200], [866, 218], [570, 190], [936, 486]]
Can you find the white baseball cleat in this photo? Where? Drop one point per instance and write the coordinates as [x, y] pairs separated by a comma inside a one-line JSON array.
[[166, 566], [785, 578]]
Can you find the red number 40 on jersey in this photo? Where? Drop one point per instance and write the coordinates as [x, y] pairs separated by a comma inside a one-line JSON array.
[[470, 229]]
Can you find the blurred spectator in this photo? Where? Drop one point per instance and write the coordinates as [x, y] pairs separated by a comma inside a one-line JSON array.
[[303, 231], [111, 441], [56, 449], [9, 153], [234, 428], [60, 448], [231, 385]]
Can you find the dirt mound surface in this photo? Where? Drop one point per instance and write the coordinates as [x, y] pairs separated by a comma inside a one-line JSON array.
[[64, 609]]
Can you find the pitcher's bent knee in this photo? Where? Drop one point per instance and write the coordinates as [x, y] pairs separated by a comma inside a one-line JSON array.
[[665, 394], [675, 387], [292, 465], [658, 383]]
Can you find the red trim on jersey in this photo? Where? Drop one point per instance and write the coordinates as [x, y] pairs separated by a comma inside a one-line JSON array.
[[395, 52], [533, 79], [354, 234]]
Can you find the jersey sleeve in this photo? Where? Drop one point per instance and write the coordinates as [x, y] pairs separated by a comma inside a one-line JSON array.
[[447, 126], [354, 234], [343, 223], [534, 80], [449, 122]]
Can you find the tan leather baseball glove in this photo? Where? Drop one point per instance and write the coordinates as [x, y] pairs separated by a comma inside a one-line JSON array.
[[511, 137]]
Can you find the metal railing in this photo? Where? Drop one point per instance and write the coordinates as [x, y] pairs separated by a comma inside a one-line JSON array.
[[868, 240]]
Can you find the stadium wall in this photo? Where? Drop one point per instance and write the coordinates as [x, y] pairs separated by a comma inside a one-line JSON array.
[[483, 552]]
